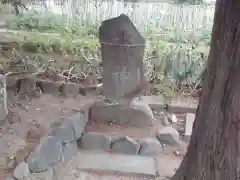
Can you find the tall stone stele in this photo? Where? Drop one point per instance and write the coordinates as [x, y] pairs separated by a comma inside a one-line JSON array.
[[122, 48]]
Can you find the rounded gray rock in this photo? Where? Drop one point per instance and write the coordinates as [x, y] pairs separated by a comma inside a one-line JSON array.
[[150, 147], [47, 153], [95, 141], [169, 136], [21, 171], [72, 129], [125, 145]]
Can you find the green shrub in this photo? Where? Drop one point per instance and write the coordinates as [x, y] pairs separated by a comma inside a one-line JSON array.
[[173, 56]]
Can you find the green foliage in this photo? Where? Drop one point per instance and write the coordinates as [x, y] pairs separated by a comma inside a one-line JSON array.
[[173, 57], [48, 22], [48, 43]]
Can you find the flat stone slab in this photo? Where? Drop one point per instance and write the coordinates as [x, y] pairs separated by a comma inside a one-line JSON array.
[[138, 114], [127, 164], [176, 105], [189, 124]]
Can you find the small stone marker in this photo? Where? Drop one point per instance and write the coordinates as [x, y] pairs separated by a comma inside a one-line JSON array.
[[3, 99], [189, 124]]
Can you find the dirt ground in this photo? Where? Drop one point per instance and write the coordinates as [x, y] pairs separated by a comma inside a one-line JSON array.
[[30, 119]]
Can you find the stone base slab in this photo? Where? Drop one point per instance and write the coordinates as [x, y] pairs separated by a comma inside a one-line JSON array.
[[129, 164], [138, 114]]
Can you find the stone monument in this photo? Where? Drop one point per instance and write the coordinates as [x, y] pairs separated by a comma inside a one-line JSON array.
[[122, 48], [122, 56]]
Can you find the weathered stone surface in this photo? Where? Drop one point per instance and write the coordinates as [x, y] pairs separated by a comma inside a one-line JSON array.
[[189, 124], [85, 112], [123, 65], [103, 162], [79, 121], [69, 173], [65, 132], [21, 172], [50, 87], [168, 135], [70, 89], [11, 82], [3, 99], [69, 151], [145, 114], [47, 175], [72, 129], [138, 114], [95, 141], [125, 145], [150, 147], [47, 153], [28, 86]]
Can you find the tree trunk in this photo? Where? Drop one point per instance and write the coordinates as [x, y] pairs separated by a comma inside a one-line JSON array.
[[214, 149]]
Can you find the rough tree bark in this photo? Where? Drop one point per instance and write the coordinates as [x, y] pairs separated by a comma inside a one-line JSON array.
[[214, 149]]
